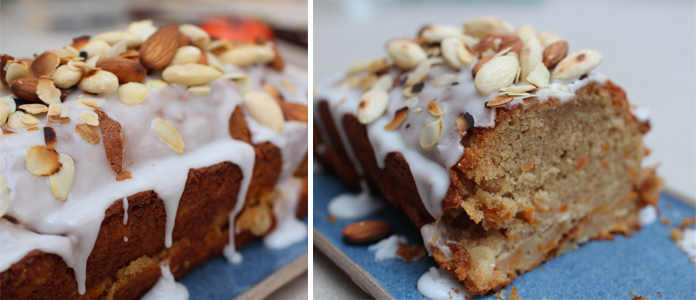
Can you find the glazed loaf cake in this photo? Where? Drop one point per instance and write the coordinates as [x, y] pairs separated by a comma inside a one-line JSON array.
[[503, 147], [152, 146]]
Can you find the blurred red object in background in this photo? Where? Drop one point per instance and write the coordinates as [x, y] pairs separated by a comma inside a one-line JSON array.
[[237, 29]]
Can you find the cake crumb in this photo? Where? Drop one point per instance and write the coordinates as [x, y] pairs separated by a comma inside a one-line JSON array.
[[411, 253], [332, 219], [664, 220], [659, 293], [687, 221], [675, 234], [514, 295]]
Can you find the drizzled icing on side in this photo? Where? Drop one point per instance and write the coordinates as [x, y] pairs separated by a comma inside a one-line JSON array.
[[202, 122], [289, 230]]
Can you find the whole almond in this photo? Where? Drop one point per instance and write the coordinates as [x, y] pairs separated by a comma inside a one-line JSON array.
[[160, 47], [490, 41], [65, 77], [367, 232], [508, 40], [99, 82], [190, 74], [497, 73], [530, 56], [576, 65], [480, 64], [125, 69], [554, 53], [525, 31], [25, 88], [406, 54]]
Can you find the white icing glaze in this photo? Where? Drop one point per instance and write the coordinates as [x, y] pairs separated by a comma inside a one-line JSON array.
[[434, 234], [688, 243], [350, 206], [647, 215], [437, 284], [641, 113], [386, 248], [202, 122], [17, 242], [167, 288], [289, 230], [125, 210]]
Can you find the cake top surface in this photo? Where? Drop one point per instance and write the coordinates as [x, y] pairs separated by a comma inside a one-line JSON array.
[[421, 98]]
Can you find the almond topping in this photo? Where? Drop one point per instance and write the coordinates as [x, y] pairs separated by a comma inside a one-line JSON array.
[[444, 79], [29, 120], [288, 85], [16, 70], [456, 53], [431, 134], [264, 110], [190, 74], [47, 91], [4, 113], [198, 36], [483, 26], [384, 83], [12, 105], [45, 64], [156, 83], [112, 138], [65, 76], [4, 195], [464, 122], [34, 108], [498, 101], [294, 111], [497, 73], [143, 29], [372, 105], [186, 55], [88, 133], [399, 117], [525, 31], [99, 82], [436, 33], [91, 103], [113, 37], [126, 70], [272, 90], [518, 89], [419, 73], [14, 120], [123, 176], [199, 90], [406, 54], [89, 117], [480, 64], [62, 181], [168, 135], [530, 56], [245, 55], [160, 47], [539, 76], [576, 65], [547, 38], [41, 161], [132, 93], [96, 48], [50, 138], [554, 53], [434, 109]]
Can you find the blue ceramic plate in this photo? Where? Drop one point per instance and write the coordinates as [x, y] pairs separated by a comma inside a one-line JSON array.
[[648, 263], [218, 279]]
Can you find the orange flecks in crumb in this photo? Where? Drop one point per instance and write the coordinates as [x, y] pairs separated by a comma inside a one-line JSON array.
[[527, 215], [630, 197], [332, 219], [687, 221], [588, 199], [527, 167], [581, 163], [515, 262], [518, 251], [665, 220], [598, 209], [603, 235], [563, 208], [604, 164], [605, 146], [626, 153], [632, 173], [675, 234], [33, 128], [492, 214]]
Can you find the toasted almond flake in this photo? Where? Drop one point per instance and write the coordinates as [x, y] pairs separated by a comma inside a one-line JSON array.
[[288, 85], [434, 61], [57, 119], [61, 182], [123, 176], [4, 113], [434, 108], [518, 89], [156, 83], [41, 161], [29, 120], [47, 91], [547, 38], [264, 110], [35, 128], [539, 76], [517, 77], [511, 94], [117, 49], [399, 117], [143, 29], [368, 81], [384, 83], [89, 117], [16, 70], [199, 90], [464, 122], [483, 26], [14, 120], [92, 61], [380, 64], [168, 134], [497, 73], [576, 65], [92, 103], [54, 109], [417, 110], [498, 101], [45, 64], [443, 79], [419, 73], [12, 105], [88, 133], [50, 138], [406, 54], [4, 195], [411, 102], [198, 36], [190, 74], [34, 108], [132, 93], [372, 105], [359, 67], [271, 90], [431, 134]]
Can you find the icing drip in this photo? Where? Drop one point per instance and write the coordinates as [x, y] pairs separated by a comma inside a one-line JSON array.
[[125, 210], [349, 206], [289, 230], [437, 284], [647, 215], [167, 288], [386, 248], [433, 234]]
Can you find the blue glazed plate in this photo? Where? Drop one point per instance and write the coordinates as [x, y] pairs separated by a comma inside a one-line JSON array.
[[647, 263], [218, 279]]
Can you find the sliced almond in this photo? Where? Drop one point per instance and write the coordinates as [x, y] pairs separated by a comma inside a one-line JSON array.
[[29, 120], [497, 73], [554, 53], [89, 117], [61, 182], [372, 105], [483, 26], [57, 119], [245, 55], [431, 134], [443, 80], [99, 82], [34, 108], [200, 90], [14, 120], [518, 89], [576, 65], [4, 195], [530, 56], [499, 101], [143, 29], [456, 53], [406, 54], [156, 83], [539, 76], [411, 102], [88, 133], [265, 110], [47, 91], [113, 37], [117, 49], [4, 113], [186, 55], [198, 36], [91, 103], [54, 109], [12, 105], [41, 161], [132, 93], [190, 74], [385, 83], [399, 117], [45, 64], [65, 77], [16, 70], [419, 73], [464, 122], [94, 48], [123, 176], [50, 138], [168, 135], [525, 31], [547, 38], [434, 108]]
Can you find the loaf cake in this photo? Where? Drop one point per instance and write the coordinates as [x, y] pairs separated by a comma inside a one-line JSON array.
[[129, 152], [503, 147]]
